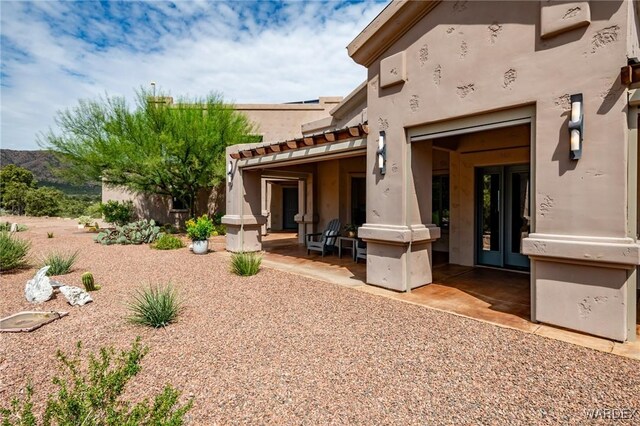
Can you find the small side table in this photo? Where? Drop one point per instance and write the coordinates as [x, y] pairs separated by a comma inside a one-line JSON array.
[[352, 246]]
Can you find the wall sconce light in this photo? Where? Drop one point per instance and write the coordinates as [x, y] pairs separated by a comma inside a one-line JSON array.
[[229, 171], [382, 153], [576, 126]]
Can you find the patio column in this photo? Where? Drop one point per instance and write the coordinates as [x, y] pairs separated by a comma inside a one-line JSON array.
[[305, 217], [244, 217], [399, 231]]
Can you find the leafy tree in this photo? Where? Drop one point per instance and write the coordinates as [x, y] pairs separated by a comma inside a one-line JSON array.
[[43, 201], [157, 148], [13, 173], [14, 197]]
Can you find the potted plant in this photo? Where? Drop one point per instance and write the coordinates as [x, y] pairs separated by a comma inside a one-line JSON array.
[[351, 230], [199, 230]]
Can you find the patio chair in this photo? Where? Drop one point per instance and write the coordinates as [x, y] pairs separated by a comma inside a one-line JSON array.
[[361, 251], [328, 238]]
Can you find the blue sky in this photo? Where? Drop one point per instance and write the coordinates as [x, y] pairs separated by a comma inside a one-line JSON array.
[[54, 53]]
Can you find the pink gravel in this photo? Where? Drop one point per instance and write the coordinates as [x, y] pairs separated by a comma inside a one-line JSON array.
[[278, 348]]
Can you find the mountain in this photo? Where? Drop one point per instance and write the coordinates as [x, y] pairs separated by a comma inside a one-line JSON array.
[[42, 164]]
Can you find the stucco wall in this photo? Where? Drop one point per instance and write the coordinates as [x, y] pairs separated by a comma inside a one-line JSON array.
[[486, 56], [280, 122]]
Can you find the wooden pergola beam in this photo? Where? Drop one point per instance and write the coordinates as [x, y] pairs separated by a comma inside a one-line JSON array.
[[330, 136], [354, 131], [235, 155], [292, 144], [308, 141], [261, 150]]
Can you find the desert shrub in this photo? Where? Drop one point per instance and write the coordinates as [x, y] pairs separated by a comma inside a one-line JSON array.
[[43, 201], [50, 235], [118, 213], [84, 220], [90, 395], [219, 229], [59, 263], [168, 242], [94, 210], [13, 251], [139, 232], [245, 264], [155, 306], [6, 226]]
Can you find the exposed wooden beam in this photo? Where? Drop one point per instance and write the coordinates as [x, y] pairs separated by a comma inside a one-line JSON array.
[[365, 128], [330, 136], [235, 155], [247, 153], [354, 131], [292, 144], [308, 141], [275, 147], [261, 150]]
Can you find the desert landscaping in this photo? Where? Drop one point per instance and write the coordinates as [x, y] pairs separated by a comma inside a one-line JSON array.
[[278, 348]]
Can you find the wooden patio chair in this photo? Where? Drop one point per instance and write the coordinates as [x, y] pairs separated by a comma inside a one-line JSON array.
[[328, 238]]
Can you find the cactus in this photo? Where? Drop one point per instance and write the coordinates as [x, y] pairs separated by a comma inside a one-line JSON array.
[[140, 232], [88, 282]]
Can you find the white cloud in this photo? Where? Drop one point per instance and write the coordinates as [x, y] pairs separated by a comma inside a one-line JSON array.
[[251, 52]]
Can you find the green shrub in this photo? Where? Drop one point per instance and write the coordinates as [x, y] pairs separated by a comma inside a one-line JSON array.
[[6, 226], [94, 210], [133, 233], [84, 220], [60, 263], [118, 213], [43, 201], [199, 229], [168, 242], [220, 229], [75, 205], [90, 395], [13, 252], [245, 264], [155, 306]]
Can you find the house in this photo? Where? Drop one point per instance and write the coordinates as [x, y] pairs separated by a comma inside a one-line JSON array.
[[271, 122], [501, 133]]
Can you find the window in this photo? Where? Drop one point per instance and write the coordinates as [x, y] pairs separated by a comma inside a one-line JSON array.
[[177, 204], [358, 200], [440, 201]]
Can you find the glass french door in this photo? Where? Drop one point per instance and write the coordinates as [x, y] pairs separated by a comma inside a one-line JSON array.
[[502, 216]]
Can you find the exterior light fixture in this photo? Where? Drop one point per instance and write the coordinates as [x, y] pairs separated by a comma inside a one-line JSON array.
[[382, 153], [230, 171], [576, 126]]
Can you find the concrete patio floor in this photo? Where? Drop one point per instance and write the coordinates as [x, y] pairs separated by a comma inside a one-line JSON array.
[[494, 296]]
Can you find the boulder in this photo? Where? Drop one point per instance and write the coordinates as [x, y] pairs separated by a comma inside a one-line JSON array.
[[75, 295], [39, 288]]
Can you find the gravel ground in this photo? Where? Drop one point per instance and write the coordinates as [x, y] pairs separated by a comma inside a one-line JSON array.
[[278, 348]]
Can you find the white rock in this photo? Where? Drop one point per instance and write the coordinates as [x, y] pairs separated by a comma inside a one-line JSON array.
[[55, 284], [14, 227], [75, 295], [39, 289]]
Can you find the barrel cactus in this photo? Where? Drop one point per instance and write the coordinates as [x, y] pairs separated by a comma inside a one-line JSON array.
[[88, 282]]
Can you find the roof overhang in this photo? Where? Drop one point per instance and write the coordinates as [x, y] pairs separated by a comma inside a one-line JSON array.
[[391, 24]]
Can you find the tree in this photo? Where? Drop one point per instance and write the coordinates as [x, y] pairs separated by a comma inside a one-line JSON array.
[[15, 182], [157, 148], [43, 201]]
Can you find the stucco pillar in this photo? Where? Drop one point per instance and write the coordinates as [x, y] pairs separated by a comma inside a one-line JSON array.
[[399, 231], [305, 217], [244, 217]]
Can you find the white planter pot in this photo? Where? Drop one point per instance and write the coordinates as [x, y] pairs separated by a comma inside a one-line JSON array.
[[200, 247]]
